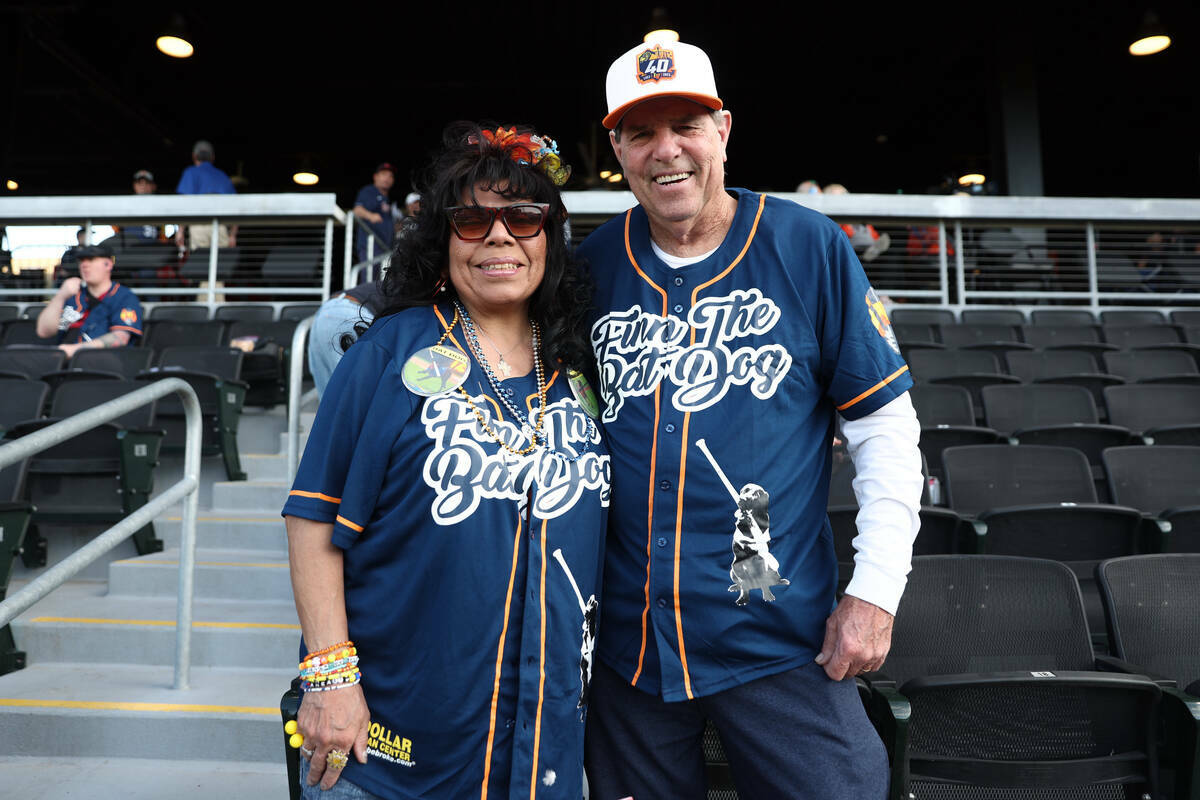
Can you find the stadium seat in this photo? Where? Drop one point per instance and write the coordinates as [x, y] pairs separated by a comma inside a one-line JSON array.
[[291, 263], [1131, 317], [178, 312], [991, 690], [265, 369], [1055, 415], [15, 514], [1186, 317], [213, 372], [32, 362], [101, 475], [992, 316], [970, 369], [1153, 612], [1162, 481], [1061, 317], [947, 419], [1153, 366], [1128, 337], [998, 339], [23, 400], [9, 311], [1166, 413], [912, 333], [124, 361], [942, 532], [1073, 337], [245, 313], [298, 311], [23, 332], [166, 333], [922, 316], [196, 266]]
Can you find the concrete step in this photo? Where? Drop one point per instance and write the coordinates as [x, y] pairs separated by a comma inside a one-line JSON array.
[[81, 623], [220, 575], [265, 467], [63, 540], [139, 778], [257, 496], [126, 711], [245, 530]]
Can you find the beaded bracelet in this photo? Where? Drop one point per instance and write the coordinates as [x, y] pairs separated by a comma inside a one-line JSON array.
[[333, 666], [329, 676], [342, 682], [329, 654]]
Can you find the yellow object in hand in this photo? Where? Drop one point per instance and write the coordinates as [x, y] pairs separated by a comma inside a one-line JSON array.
[[296, 740], [290, 727]]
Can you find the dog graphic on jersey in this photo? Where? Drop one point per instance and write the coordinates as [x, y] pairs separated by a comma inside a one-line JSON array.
[[753, 565], [589, 607]]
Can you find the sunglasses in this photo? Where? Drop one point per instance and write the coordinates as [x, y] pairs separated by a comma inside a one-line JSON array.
[[521, 220]]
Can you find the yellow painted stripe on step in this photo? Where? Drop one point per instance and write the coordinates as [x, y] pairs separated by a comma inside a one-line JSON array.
[[168, 623], [275, 519], [98, 705], [156, 563]]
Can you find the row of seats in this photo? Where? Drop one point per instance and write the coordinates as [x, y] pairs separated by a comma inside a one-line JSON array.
[[190, 312], [1045, 316], [1027, 337]]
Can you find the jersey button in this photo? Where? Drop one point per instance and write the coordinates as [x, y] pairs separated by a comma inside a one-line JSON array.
[[670, 427], [678, 281], [664, 485], [678, 309], [662, 541], [662, 602]]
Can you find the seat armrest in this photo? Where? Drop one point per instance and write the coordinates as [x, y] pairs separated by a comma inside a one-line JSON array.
[[1121, 666]]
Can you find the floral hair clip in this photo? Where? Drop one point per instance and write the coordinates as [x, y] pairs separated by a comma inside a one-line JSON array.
[[529, 150]]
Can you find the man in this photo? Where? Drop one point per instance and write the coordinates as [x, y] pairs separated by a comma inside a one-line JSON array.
[[730, 327], [91, 308], [204, 177], [335, 328], [375, 208]]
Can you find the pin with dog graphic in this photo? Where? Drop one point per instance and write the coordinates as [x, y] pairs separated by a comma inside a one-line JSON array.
[[753, 565]]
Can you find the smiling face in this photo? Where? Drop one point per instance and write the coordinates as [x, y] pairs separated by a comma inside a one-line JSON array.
[[497, 275], [673, 154]]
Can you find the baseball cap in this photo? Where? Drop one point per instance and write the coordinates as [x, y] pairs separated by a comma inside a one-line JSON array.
[[94, 251], [655, 69], [386, 165], [411, 197], [143, 175]]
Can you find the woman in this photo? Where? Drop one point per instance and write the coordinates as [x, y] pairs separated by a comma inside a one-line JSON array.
[[446, 524]]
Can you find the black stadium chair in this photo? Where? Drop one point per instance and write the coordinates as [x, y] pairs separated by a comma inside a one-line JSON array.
[[1055, 415], [1073, 337], [196, 267], [1186, 317], [991, 690], [998, 339], [9, 311], [993, 316], [166, 333], [1061, 316], [1166, 413], [23, 332], [32, 362], [914, 333], [947, 419], [1161, 481], [286, 263], [970, 369], [922, 316], [265, 368], [942, 532], [245, 313], [23, 400], [1131, 317], [15, 514], [298, 311], [178, 312], [1153, 366], [1153, 612], [124, 361]]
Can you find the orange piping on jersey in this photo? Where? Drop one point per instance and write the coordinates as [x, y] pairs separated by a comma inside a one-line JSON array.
[[653, 460], [687, 678], [875, 388], [349, 524], [537, 724], [512, 575], [762, 199], [446, 325], [125, 328], [316, 495]]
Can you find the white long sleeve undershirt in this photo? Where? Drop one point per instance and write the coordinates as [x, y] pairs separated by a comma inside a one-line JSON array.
[[888, 485]]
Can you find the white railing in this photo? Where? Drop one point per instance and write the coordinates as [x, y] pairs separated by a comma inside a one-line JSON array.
[[185, 489]]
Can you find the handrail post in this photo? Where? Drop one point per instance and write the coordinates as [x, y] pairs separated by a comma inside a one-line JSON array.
[[295, 401], [187, 544], [348, 246], [212, 265], [943, 265], [1093, 276], [960, 266], [327, 261]]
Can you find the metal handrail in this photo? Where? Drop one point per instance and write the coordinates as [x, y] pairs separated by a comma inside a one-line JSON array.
[[295, 401], [352, 272], [185, 489]]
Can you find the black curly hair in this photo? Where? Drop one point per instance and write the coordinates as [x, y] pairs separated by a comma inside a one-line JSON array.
[[420, 255]]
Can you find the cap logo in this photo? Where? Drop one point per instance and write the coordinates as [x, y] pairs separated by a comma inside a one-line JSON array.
[[655, 64]]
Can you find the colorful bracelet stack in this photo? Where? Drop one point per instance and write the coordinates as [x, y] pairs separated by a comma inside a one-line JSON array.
[[335, 667]]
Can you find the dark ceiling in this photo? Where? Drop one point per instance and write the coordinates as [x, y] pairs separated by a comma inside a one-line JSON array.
[[881, 100]]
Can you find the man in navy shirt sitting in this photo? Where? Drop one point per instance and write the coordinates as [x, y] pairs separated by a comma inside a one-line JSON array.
[[374, 207], [203, 177], [91, 311]]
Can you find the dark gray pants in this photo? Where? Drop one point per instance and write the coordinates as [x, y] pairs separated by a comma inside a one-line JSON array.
[[792, 735]]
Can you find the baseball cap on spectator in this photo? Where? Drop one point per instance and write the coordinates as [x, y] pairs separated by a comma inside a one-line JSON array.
[[653, 69], [94, 251], [143, 175], [386, 165], [411, 197]]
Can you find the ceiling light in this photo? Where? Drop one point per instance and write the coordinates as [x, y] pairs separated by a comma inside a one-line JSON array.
[[306, 178], [1151, 37], [971, 179], [175, 41], [604, 173], [12, 185], [615, 177]]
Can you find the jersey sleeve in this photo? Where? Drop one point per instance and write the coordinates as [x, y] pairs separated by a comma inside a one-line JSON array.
[[365, 198], [349, 448], [128, 316], [859, 349]]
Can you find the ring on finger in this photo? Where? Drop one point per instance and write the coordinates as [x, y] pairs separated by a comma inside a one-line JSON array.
[[307, 753], [336, 759]]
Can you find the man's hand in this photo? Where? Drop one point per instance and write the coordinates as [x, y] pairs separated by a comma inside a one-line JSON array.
[[376, 218], [70, 349], [333, 720], [70, 287], [857, 638]]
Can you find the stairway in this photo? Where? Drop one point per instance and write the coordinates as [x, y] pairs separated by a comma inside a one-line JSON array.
[[94, 715]]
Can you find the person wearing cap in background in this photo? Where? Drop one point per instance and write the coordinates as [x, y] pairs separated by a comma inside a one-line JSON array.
[[91, 310], [204, 177], [143, 183], [412, 204], [374, 207], [729, 327]]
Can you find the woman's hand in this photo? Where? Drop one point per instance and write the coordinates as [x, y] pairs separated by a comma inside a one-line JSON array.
[[333, 720]]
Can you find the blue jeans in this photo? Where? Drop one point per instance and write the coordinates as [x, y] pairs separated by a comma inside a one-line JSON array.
[[335, 318], [342, 790]]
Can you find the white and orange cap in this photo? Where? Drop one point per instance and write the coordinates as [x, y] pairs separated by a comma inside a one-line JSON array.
[[655, 69]]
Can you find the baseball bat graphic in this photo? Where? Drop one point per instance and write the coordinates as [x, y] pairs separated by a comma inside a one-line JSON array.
[[728, 486], [562, 562]]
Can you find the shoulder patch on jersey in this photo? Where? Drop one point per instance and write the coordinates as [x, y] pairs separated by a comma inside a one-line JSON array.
[[128, 316], [879, 319], [655, 64]]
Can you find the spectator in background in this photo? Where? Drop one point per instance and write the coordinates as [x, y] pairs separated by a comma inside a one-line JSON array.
[[412, 204], [374, 207], [92, 308], [808, 187], [339, 322], [143, 183], [203, 177], [867, 242]]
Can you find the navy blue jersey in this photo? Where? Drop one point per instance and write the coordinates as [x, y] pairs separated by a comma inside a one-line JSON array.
[[720, 381], [471, 574], [86, 317], [370, 198]]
